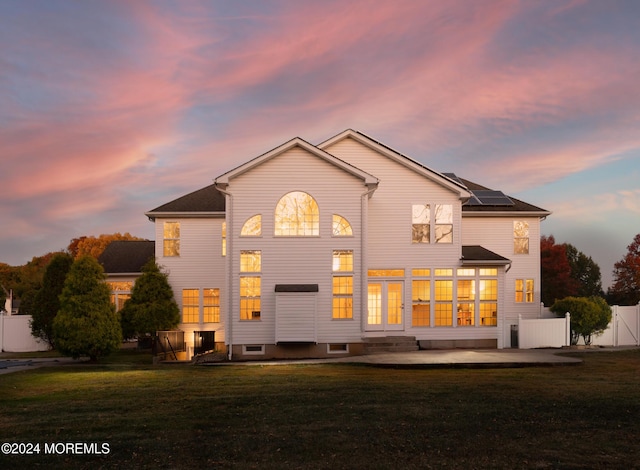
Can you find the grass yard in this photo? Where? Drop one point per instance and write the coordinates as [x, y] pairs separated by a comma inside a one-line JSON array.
[[326, 416]]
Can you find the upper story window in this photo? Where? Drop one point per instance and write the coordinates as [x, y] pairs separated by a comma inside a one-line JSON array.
[[171, 242], [297, 215], [250, 261], [342, 260], [444, 223], [341, 227], [520, 237], [252, 227], [422, 219], [421, 223]]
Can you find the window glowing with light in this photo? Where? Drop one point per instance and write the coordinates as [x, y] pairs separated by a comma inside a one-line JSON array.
[[252, 227], [211, 304], [190, 305], [171, 242], [341, 227], [521, 237], [297, 215]]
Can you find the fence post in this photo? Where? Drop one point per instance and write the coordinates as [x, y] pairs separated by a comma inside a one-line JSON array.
[[614, 325], [567, 329]]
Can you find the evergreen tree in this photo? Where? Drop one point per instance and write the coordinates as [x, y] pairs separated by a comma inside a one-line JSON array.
[[626, 277], [151, 307], [46, 302], [87, 324]]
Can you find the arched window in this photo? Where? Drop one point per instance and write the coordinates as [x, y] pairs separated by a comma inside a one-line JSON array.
[[341, 226], [252, 227], [297, 215]]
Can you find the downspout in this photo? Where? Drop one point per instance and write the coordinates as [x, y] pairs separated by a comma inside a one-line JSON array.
[[364, 277], [229, 277]]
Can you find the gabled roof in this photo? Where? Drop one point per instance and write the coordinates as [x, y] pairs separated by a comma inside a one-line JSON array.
[[369, 180], [408, 162], [126, 256], [476, 254], [205, 202]]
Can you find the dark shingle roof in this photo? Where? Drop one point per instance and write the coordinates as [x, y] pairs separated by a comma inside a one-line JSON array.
[[126, 256], [296, 287], [207, 199], [479, 254], [518, 205]]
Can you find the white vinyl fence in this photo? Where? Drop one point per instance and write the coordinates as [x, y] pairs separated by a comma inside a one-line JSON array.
[[15, 335], [624, 330], [544, 332]]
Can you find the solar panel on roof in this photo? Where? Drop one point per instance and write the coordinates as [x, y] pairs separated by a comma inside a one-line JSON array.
[[488, 197], [473, 201]]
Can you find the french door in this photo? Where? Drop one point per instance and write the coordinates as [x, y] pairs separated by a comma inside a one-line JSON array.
[[385, 306]]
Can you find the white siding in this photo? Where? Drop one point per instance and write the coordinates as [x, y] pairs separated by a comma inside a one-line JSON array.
[[199, 266], [496, 234], [295, 260], [296, 316], [390, 232]]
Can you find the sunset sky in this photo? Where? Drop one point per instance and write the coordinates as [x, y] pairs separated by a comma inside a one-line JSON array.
[[109, 109]]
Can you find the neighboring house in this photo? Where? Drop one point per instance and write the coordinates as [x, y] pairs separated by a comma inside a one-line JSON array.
[[122, 261], [312, 250]]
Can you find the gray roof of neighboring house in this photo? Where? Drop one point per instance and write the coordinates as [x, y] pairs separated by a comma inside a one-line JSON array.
[[206, 200], [126, 256]]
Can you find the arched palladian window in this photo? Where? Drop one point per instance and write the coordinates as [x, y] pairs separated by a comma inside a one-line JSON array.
[[252, 227], [341, 227], [297, 215]]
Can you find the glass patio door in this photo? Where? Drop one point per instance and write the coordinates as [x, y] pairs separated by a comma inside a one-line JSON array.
[[385, 306]]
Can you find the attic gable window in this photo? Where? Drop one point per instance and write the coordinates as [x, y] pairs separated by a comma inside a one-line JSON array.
[[341, 227], [297, 215], [252, 227], [171, 242]]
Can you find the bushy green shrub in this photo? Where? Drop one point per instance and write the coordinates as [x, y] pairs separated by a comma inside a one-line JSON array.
[[590, 316]]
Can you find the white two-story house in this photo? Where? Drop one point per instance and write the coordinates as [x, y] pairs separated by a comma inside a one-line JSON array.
[[312, 250]]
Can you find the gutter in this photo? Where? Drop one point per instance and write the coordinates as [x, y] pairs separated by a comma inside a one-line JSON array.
[[364, 212], [229, 238]]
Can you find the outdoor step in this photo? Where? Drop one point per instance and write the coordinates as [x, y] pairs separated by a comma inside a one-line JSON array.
[[388, 349], [383, 344], [386, 339]]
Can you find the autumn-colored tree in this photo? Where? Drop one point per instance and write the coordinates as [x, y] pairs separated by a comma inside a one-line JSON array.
[[626, 277], [555, 268], [94, 246], [87, 323], [47, 300], [24, 281]]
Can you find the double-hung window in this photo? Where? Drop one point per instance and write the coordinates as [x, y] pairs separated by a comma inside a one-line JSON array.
[[171, 242], [250, 284], [520, 237], [342, 284]]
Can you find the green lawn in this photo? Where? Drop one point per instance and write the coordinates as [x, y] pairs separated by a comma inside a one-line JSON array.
[[326, 416]]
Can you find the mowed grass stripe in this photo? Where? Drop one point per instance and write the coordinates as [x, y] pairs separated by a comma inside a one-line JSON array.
[[328, 416]]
